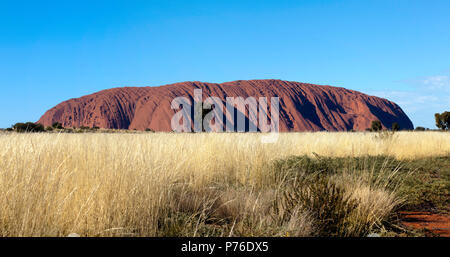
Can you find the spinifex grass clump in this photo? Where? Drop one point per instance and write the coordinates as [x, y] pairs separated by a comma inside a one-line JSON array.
[[344, 196], [325, 201]]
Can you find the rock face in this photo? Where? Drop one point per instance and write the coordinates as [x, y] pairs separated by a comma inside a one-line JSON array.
[[303, 107]]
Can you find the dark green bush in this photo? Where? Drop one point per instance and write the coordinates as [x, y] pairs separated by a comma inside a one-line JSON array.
[[376, 125], [28, 127], [442, 120], [395, 126], [57, 125], [327, 202]]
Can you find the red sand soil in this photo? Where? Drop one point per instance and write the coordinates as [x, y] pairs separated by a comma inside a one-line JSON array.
[[438, 224], [303, 107]]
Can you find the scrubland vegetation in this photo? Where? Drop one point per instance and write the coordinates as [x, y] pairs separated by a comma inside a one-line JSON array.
[[227, 184]]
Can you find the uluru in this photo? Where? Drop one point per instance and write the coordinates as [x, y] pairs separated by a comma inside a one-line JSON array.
[[303, 107]]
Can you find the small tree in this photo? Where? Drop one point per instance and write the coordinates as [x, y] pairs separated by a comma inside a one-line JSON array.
[[395, 126], [57, 125], [28, 127], [442, 120], [376, 125], [420, 129]]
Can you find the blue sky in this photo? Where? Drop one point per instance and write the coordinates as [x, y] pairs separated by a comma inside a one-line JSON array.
[[51, 51]]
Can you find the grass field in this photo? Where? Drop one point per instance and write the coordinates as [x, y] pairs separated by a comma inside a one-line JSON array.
[[228, 184]]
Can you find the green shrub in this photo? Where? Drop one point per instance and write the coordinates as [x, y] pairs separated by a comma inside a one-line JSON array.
[[28, 127], [395, 126], [442, 120], [376, 125], [57, 125], [328, 203]]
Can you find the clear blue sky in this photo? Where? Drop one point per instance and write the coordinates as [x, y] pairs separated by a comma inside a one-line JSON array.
[[51, 51]]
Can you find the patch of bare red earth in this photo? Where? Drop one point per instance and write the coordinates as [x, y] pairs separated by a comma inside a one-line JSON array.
[[436, 224]]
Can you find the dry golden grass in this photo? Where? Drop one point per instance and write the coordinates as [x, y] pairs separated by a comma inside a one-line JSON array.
[[162, 184]]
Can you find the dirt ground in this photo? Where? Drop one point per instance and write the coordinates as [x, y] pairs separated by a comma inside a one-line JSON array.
[[431, 223]]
